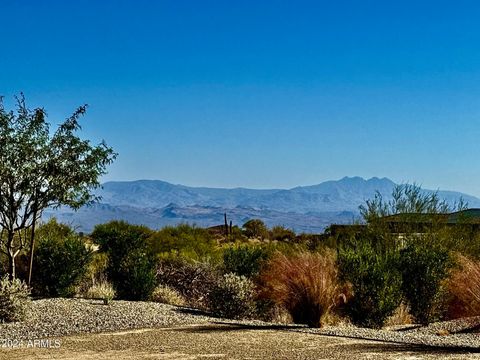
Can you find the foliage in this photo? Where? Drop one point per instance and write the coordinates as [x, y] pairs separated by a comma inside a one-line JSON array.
[[61, 260], [193, 280], [255, 228], [280, 233], [95, 272], [244, 259], [312, 242], [375, 279], [237, 235], [305, 284], [186, 241], [138, 275], [232, 296], [407, 199], [424, 265], [464, 288], [167, 295], [14, 299], [131, 265], [103, 290], [40, 169]]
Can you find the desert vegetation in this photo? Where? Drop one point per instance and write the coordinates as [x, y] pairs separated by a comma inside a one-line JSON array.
[[369, 276], [406, 260]]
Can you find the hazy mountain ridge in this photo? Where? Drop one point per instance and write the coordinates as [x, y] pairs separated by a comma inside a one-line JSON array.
[[305, 208]]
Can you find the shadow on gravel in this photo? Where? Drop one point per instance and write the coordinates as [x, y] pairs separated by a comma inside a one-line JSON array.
[[227, 327], [396, 347], [192, 311], [408, 328]]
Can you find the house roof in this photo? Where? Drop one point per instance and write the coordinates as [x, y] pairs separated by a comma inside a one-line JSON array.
[[469, 216]]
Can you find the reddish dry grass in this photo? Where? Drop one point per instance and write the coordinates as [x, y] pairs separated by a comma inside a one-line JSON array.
[[305, 285], [464, 289]]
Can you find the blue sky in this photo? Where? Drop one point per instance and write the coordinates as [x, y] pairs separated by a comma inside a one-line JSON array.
[[259, 93]]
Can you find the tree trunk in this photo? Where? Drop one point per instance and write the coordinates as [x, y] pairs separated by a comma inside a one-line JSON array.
[[11, 266], [32, 246], [10, 255]]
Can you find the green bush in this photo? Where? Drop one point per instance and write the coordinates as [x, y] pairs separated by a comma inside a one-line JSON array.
[[186, 241], [244, 260], [131, 264], [137, 278], [232, 297], [60, 262], [14, 299], [425, 265], [255, 228], [376, 282], [280, 233]]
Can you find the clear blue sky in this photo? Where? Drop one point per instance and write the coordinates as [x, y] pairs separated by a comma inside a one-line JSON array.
[[259, 93]]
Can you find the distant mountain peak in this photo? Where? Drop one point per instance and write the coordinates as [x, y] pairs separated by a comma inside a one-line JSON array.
[[305, 208]]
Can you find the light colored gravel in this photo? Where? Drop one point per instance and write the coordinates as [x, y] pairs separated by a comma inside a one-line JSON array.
[[435, 335], [63, 317]]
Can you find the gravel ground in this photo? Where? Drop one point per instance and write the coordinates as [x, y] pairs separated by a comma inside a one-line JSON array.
[[61, 317], [225, 342], [51, 318]]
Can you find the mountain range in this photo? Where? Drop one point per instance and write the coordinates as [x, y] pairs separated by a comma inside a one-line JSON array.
[[309, 209]]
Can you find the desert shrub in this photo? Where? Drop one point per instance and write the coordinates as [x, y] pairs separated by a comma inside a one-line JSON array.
[[167, 295], [102, 290], [60, 262], [280, 233], [14, 299], [131, 264], [186, 241], [375, 279], [424, 265], [232, 297], [244, 260], [137, 278], [464, 288], [193, 280], [304, 284], [255, 228], [95, 272], [313, 242], [237, 235]]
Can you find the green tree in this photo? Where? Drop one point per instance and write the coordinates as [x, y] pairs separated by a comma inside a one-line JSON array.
[[407, 199], [41, 169]]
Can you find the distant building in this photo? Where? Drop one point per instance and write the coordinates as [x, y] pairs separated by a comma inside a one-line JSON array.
[[414, 223]]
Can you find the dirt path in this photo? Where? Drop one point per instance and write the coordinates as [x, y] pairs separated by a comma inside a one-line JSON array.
[[221, 342]]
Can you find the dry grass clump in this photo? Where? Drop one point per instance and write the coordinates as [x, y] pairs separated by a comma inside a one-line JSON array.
[[401, 316], [304, 284], [103, 290], [167, 295], [464, 288]]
